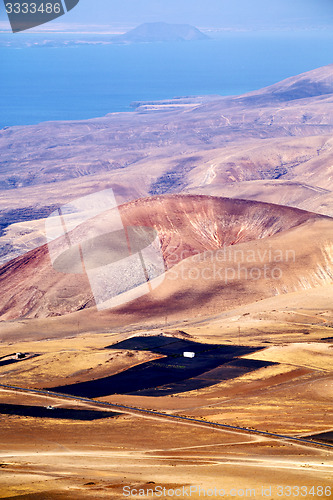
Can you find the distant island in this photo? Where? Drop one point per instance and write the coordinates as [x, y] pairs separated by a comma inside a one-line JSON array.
[[163, 32], [145, 33]]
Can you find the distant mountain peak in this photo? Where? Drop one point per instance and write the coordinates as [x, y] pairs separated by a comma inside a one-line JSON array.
[[163, 32], [314, 83]]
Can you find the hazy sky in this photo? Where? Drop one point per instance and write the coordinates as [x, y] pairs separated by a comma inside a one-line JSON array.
[[202, 13]]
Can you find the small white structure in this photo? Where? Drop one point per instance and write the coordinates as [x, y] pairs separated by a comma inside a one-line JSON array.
[[188, 354]]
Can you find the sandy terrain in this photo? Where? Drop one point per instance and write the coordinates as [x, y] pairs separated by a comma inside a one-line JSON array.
[[273, 146], [71, 459], [60, 459]]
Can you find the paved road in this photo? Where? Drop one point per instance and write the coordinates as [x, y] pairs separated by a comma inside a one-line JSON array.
[[133, 409]]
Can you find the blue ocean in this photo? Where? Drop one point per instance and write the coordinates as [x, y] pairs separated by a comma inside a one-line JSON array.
[[72, 83]]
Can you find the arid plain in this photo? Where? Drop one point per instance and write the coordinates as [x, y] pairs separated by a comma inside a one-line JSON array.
[[239, 191]]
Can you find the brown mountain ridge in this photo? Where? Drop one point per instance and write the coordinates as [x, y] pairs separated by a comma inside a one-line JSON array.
[[187, 225]]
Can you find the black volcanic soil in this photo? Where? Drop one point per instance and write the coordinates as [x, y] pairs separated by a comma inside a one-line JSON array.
[[324, 436], [54, 412], [171, 374]]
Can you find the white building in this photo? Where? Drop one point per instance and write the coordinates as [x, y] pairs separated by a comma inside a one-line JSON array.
[[188, 354]]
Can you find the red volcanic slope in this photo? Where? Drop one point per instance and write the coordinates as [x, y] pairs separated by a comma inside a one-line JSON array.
[[186, 225]]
